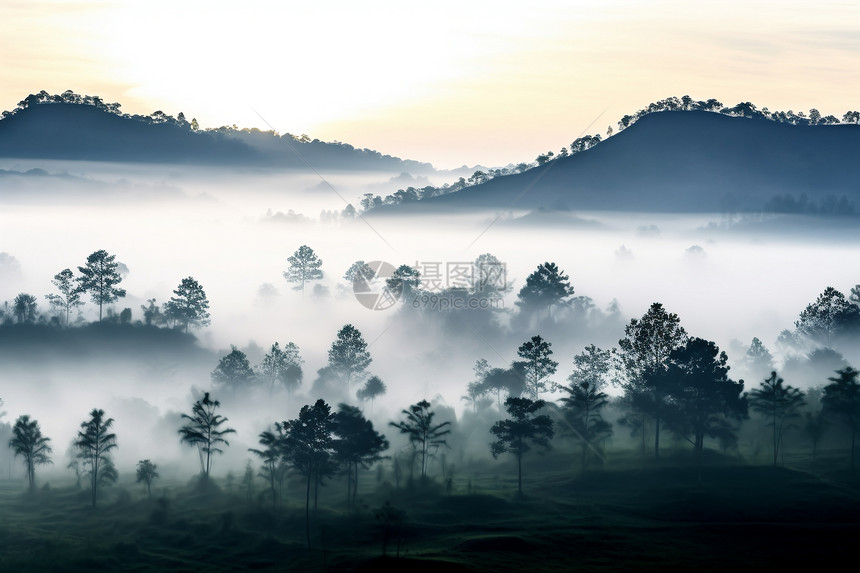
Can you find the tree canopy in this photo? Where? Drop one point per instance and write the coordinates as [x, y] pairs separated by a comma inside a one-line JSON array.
[[644, 353], [29, 443], [356, 445], [704, 400], [511, 380], [537, 365], [100, 277], [545, 288], [282, 365], [234, 370], [189, 307], [830, 315], [517, 434], [70, 294], [24, 308], [348, 356], [271, 454], [94, 443], [425, 437], [146, 472], [373, 387], [305, 266], [841, 402], [310, 446], [204, 431], [585, 399], [778, 403], [359, 270]]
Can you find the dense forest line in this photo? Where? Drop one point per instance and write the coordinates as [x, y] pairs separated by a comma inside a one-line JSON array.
[[668, 380]]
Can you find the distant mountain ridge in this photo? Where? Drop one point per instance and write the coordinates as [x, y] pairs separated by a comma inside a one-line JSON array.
[[686, 161], [72, 127]]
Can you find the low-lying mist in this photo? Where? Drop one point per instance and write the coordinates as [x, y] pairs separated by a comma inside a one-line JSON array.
[[233, 232]]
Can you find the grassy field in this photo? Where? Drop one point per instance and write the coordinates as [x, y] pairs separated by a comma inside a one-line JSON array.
[[649, 516]]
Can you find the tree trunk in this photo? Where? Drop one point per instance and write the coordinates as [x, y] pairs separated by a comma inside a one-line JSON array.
[[208, 463], [316, 494], [853, 434], [775, 439], [699, 445], [308, 509], [95, 480], [585, 439], [348, 486], [272, 484], [584, 455], [520, 474], [355, 485]]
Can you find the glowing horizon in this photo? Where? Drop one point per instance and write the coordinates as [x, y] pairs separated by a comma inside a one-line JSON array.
[[452, 84]]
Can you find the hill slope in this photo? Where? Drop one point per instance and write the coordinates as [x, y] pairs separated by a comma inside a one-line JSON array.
[[74, 131], [686, 161], [84, 132]]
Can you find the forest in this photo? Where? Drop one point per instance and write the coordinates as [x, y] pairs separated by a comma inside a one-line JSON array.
[[655, 452]]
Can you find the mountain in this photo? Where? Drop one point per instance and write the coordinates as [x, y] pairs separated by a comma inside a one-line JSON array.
[[687, 161], [77, 131]]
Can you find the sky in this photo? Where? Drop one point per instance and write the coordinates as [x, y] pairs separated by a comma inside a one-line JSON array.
[[452, 83]]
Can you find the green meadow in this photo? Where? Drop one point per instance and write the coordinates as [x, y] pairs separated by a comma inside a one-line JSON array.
[[634, 514]]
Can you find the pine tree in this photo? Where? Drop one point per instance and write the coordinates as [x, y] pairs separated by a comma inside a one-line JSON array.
[[841, 402], [545, 288], [517, 434], [644, 355], [309, 447], [304, 266], [70, 294], [536, 364], [189, 307], [99, 278], [348, 356], [357, 445], [778, 403]]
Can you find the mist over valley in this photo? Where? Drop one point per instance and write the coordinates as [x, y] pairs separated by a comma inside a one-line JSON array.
[[735, 226]]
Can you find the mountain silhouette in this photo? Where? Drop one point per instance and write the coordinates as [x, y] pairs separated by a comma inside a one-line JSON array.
[[73, 131], [686, 161], [87, 133]]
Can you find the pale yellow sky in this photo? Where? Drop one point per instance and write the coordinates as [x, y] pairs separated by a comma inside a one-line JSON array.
[[447, 82]]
